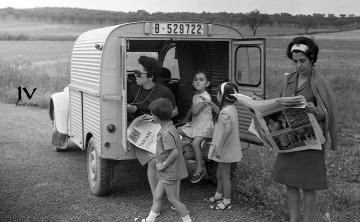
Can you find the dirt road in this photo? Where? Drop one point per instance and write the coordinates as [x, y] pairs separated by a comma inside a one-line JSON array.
[[38, 184]]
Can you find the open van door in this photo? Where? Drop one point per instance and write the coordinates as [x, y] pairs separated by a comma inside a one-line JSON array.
[[248, 72]]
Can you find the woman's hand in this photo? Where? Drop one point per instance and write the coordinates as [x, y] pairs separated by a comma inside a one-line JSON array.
[[311, 107], [146, 117], [317, 111], [131, 108]]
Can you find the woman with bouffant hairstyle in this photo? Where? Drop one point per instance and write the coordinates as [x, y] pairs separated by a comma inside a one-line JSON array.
[[305, 170]]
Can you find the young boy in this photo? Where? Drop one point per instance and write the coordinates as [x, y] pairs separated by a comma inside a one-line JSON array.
[[170, 163]]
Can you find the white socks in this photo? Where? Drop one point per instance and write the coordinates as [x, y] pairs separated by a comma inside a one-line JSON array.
[[152, 216]]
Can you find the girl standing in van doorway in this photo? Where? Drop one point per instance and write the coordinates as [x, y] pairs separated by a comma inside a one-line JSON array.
[[201, 125], [225, 146]]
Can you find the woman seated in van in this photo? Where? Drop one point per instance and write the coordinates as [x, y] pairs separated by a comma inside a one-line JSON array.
[[139, 97], [141, 94]]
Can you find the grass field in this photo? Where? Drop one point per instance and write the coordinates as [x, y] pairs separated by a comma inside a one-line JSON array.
[[14, 27], [46, 65], [36, 51]]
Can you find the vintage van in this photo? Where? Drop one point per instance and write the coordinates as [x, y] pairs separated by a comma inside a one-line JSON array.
[[91, 111]]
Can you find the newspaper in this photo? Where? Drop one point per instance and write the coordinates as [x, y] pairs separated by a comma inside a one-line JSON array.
[[142, 132], [283, 123]]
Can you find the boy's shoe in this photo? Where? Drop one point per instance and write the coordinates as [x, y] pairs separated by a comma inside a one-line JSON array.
[[196, 177]]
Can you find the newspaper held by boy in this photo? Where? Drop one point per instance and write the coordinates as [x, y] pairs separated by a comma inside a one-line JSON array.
[[142, 132]]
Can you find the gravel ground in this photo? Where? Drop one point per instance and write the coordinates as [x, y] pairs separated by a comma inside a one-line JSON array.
[[38, 184]]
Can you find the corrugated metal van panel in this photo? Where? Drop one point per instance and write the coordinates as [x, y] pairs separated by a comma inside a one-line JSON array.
[[85, 72], [91, 106], [75, 118], [86, 59], [244, 123]]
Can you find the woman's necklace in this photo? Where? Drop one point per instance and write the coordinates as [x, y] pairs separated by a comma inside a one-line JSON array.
[[137, 94]]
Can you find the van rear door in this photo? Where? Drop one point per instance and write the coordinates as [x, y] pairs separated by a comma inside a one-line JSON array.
[[248, 72]]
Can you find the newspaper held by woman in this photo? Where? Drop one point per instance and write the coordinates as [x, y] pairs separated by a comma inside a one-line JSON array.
[[284, 123]]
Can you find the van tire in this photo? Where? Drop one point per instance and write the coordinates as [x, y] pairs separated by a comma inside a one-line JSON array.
[[99, 171]]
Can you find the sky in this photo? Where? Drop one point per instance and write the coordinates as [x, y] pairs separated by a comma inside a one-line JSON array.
[[236, 6]]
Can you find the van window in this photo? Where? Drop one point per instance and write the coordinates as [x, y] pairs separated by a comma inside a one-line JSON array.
[[171, 62], [248, 65]]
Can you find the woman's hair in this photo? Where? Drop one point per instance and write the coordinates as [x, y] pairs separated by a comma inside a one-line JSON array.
[[311, 52], [161, 108], [226, 89], [151, 66]]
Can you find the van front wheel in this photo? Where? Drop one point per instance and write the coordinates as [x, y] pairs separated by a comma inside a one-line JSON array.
[[99, 171]]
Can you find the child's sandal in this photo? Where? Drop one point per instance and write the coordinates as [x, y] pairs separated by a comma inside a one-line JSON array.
[[221, 206], [213, 200]]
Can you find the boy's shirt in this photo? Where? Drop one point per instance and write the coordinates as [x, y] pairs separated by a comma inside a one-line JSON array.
[[167, 140]]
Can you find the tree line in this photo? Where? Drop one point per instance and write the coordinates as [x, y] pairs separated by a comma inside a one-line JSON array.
[[254, 19]]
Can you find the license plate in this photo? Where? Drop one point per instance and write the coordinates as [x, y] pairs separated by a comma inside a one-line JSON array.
[[178, 28]]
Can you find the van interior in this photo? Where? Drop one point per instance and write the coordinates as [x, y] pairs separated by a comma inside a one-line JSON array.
[[183, 58]]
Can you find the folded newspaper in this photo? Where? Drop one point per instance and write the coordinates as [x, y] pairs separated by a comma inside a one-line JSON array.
[[142, 132], [283, 123]]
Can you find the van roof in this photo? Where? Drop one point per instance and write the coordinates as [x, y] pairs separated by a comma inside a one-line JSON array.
[[145, 29]]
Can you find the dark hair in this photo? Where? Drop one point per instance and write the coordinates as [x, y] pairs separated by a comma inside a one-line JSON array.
[[151, 66], [203, 71], [229, 88], [164, 75], [161, 108], [311, 53]]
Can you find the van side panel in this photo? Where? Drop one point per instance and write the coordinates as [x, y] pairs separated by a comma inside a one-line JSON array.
[[76, 118], [85, 85], [244, 123], [91, 106]]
